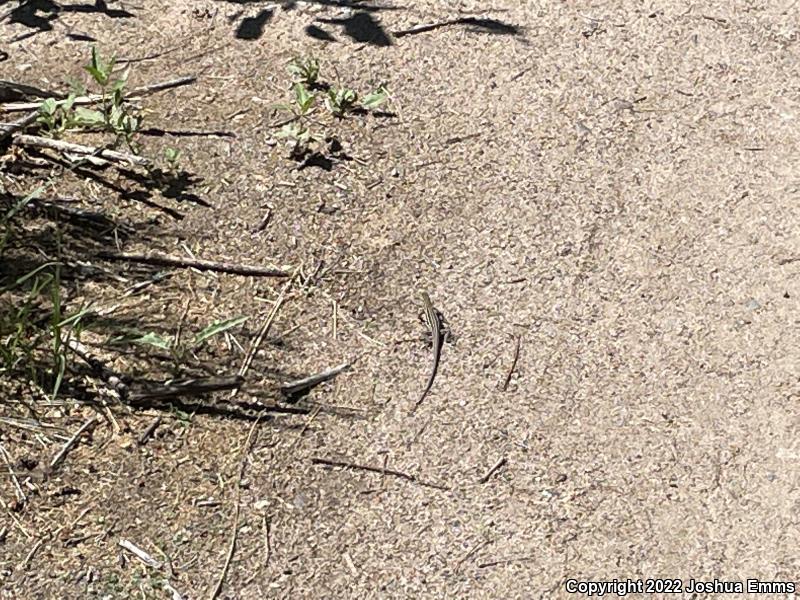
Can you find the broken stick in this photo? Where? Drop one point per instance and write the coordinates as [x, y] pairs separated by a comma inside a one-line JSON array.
[[94, 98], [161, 260], [300, 385], [492, 471], [71, 442], [62, 146], [379, 470]]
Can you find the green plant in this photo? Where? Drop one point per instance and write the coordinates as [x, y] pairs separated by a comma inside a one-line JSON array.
[[375, 99], [174, 345], [304, 70], [300, 138], [114, 115], [23, 332], [57, 116], [172, 155], [340, 101], [303, 102]]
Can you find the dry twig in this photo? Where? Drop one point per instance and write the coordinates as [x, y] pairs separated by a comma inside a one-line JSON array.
[[62, 146], [151, 428], [94, 98], [33, 551], [267, 542], [140, 554], [71, 442], [513, 364], [201, 265], [380, 470], [6, 129], [492, 471], [466, 557], [300, 385], [506, 561]]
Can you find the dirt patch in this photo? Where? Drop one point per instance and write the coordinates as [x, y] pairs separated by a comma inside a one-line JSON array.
[[614, 186]]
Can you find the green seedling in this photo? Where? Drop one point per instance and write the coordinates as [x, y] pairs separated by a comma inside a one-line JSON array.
[[99, 69], [304, 70], [304, 100], [340, 101], [56, 116], [172, 155], [300, 139], [375, 99], [176, 347], [22, 335], [115, 115]]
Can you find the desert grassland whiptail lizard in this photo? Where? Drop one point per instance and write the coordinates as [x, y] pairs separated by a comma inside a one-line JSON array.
[[435, 323]]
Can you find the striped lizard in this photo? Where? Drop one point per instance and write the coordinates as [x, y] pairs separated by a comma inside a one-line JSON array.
[[439, 331]]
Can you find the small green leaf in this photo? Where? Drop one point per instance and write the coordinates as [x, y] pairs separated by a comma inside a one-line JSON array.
[[290, 130], [33, 273], [282, 106], [99, 70], [19, 206], [74, 318], [48, 107], [131, 124], [171, 154], [95, 64], [217, 328], [67, 105], [86, 117], [375, 99], [153, 339], [96, 73], [349, 96], [306, 70], [304, 99]]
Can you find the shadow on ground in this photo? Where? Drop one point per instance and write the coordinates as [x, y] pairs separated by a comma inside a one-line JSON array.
[[359, 23]]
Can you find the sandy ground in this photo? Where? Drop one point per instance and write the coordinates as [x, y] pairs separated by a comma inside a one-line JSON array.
[[614, 185]]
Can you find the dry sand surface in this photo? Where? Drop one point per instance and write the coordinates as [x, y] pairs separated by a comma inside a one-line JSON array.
[[615, 185]]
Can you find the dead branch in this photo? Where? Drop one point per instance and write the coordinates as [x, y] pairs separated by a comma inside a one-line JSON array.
[[6, 129], [379, 470], [200, 265], [188, 387], [140, 554], [62, 146], [492, 471], [30, 554], [71, 442], [466, 557], [160, 87], [10, 90], [506, 561], [267, 544], [300, 385], [112, 379], [513, 364], [144, 90], [151, 428]]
